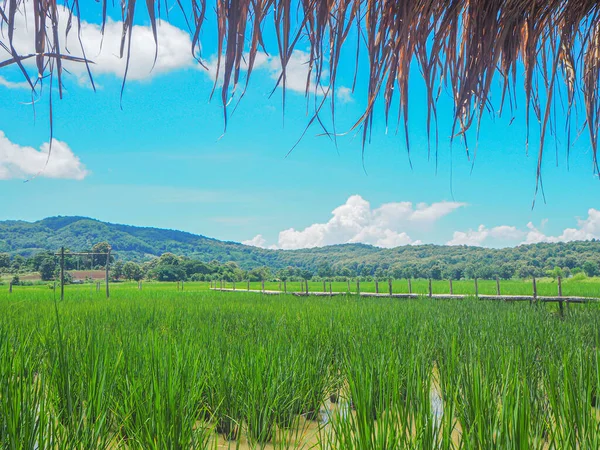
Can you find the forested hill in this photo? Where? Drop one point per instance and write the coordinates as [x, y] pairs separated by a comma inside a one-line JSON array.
[[141, 243]]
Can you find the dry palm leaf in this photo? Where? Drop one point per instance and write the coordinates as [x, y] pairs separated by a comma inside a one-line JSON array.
[[462, 45]]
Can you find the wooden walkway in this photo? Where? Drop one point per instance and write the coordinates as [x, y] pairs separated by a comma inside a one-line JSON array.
[[503, 298]]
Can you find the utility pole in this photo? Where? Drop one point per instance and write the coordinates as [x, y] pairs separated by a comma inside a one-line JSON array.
[[62, 273], [107, 269]]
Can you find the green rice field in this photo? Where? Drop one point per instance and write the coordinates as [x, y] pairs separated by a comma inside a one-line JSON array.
[[166, 369]]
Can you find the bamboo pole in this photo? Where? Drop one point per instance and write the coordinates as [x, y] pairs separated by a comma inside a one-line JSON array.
[[497, 286], [560, 302], [306, 286], [10, 285], [430, 289], [107, 271], [409, 286], [390, 287], [534, 290], [376, 286], [451, 289], [62, 273], [263, 285], [330, 289], [358, 286], [476, 288]]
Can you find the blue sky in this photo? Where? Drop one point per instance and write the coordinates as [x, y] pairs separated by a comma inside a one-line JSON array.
[[162, 160]]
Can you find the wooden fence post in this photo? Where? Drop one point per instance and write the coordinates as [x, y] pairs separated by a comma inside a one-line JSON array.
[[324, 287], [10, 287], [178, 285], [330, 289], [248, 285], [476, 288], [451, 289], [234, 285], [409, 286], [263, 285], [62, 273], [285, 286], [376, 286], [348, 280], [390, 287], [498, 286], [358, 286], [306, 286], [560, 302], [107, 269], [534, 290], [430, 289]]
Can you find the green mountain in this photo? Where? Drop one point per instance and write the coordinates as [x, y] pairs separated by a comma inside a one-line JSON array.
[[143, 243]]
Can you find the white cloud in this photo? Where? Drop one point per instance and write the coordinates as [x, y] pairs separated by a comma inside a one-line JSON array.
[[344, 95], [14, 85], [586, 229], [297, 72], [174, 51], [356, 222], [26, 162], [256, 241], [477, 237]]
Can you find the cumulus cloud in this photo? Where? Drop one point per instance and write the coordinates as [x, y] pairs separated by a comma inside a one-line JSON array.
[[174, 50], [174, 53], [256, 241], [297, 72], [479, 236], [357, 222], [344, 95], [588, 228], [26, 162], [14, 85]]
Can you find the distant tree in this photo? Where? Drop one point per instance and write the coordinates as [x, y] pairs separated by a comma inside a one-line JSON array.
[[555, 273], [590, 268], [18, 262], [436, 272], [132, 271], [100, 260], [169, 259], [46, 269], [168, 273], [116, 270], [15, 280], [576, 270], [506, 271], [4, 261], [306, 274], [346, 272]]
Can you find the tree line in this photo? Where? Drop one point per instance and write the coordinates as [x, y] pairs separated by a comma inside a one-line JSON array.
[[436, 262]]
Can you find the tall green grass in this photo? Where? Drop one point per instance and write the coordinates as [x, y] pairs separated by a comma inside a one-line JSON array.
[[165, 369]]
